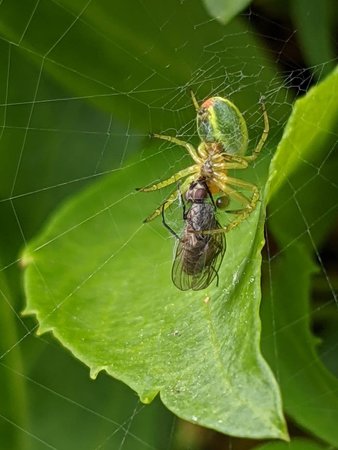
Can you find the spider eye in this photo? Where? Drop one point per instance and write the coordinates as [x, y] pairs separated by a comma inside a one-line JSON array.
[[222, 202]]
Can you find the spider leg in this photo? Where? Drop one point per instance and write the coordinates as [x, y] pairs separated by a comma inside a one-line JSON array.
[[264, 136], [235, 211], [181, 199], [173, 179], [169, 200], [222, 182], [249, 205], [195, 102], [168, 226], [247, 186], [190, 148], [232, 163], [210, 196]]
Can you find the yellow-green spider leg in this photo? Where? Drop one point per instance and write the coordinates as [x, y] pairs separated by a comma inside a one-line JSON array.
[[202, 151], [247, 186], [170, 199], [241, 214], [231, 159], [190, 148], [225, 165], [263, 138], [173, 179], [222, 184], [195, 102]]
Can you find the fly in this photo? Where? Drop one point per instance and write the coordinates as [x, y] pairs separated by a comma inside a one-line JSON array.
[[198, 254]]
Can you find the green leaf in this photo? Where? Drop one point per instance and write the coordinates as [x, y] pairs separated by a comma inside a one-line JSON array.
[[225, 11], [313, 119], [13, 407], [302, 212], [100, 280], [309, 201], [308, 388], [295, 444], [317, 47]]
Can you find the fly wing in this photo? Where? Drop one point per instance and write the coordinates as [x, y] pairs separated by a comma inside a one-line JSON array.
[[212, 262], [181, 279], [197, 268]]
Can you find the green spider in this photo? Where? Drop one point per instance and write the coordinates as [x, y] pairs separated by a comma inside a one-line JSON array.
[[224, 141]]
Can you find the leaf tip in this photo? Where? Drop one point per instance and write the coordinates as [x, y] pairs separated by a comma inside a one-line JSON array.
[[27, 311], [94, 371], [148, 396], [44, 329], [281, 429]]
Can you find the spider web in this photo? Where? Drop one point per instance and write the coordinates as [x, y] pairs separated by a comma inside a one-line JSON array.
[[58, 136]]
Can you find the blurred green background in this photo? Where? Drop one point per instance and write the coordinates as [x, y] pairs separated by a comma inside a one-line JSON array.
[[83, 83]]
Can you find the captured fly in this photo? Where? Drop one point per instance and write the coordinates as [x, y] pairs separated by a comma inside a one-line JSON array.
[[198, 256]]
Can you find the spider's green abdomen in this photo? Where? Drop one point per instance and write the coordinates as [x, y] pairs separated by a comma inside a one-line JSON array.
[[219, 120]]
